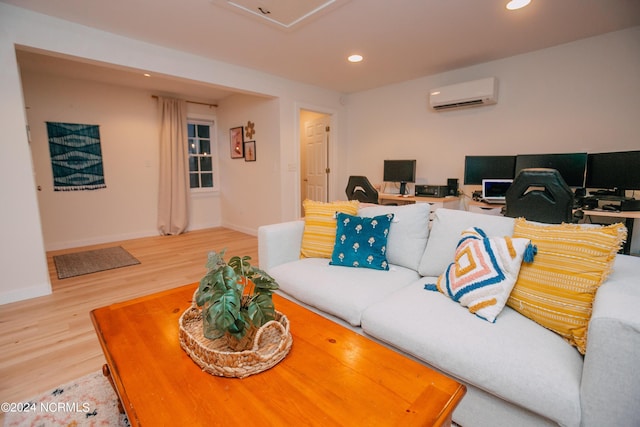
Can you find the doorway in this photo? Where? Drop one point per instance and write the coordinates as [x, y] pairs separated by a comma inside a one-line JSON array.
[[315, 170]]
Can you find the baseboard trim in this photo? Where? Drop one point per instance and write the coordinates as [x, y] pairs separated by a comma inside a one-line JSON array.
[[97, 240], [25, 293], [245, 230]]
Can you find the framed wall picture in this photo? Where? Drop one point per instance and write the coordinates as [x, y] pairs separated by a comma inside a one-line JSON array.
[[250, 151], [236, 138]]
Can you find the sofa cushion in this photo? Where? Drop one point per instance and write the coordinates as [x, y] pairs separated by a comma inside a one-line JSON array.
[[557, 290], [409, 232], [340, 291], [361, 242], [320, 226], [445, 234], [483, 272], [514, 358], [610, 378]]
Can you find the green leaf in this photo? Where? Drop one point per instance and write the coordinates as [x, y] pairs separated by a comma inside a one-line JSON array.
[[228, 279], [212, 331], [238, 327], [202, 297], [215, 260], [261, 309], [205, 289], [245, 321], [241, 266], [263, 281], [225, 309]]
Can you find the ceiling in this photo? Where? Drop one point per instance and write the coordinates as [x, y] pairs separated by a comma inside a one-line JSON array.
[[399, 39], [38, 62]]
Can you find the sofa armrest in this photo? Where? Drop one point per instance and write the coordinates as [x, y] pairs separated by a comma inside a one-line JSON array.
[[611, 374], [279, 243]]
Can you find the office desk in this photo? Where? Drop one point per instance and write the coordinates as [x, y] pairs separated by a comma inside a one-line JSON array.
[[449, 202], [629, 217], [612, 214], [485, 208]]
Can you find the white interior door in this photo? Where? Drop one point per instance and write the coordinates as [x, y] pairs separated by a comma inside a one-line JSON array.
[[316, 143]]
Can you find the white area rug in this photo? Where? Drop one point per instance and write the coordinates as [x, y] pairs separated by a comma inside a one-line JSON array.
[[87, 401]]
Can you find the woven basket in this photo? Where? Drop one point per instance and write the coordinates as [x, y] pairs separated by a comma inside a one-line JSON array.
[[271, 344]]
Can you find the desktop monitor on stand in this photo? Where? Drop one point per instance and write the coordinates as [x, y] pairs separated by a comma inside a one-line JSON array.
[[477, 168], [572, 166], [401, 171], [614, 173]]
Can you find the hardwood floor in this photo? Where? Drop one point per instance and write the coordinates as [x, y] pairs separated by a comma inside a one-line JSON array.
[[50, 340]]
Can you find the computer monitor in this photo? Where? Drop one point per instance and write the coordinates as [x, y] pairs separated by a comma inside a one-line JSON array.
[[618, 171], [401, 171], [477, 168], [572, 166]]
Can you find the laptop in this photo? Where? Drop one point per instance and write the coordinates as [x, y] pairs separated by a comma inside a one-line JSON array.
[[494, 190]]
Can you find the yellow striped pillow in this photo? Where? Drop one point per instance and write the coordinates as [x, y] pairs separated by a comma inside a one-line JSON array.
[[558, 288], [320, 226]]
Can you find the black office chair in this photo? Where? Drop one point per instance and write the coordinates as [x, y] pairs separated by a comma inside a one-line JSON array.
[[540, 195], [359, 188]]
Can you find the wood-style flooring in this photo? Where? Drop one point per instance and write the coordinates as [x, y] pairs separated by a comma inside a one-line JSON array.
[[50, 340]]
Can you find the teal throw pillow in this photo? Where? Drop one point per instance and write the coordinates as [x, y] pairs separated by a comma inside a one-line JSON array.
[[361, 242]]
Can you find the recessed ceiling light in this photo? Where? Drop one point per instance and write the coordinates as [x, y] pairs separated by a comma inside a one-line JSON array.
[[355, 58], [147, 75], [517, 4]]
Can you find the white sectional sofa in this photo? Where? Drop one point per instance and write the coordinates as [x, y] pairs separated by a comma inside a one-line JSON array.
[[517, 372]]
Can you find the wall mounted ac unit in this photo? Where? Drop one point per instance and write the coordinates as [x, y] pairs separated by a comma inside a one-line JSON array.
[[468, 94]]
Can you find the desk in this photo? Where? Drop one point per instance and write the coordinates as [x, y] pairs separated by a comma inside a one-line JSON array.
[[485, 208], [629, 217], [449, 202]]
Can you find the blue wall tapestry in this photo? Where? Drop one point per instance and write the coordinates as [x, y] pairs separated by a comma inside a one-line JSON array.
[[76, 157]]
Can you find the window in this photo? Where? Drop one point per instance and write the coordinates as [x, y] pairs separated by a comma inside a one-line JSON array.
[[201, 161]]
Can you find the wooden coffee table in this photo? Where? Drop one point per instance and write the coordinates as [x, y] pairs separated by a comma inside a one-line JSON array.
[[332, 376]]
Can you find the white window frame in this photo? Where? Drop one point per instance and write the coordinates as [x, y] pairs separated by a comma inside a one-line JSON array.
[[200, 119]]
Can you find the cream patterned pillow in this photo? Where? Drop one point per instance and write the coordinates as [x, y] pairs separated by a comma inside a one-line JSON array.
[[483, 272], [557, 290], [320, 226]]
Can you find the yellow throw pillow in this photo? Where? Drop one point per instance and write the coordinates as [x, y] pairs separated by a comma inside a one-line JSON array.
[[558, 288], [320, 226]]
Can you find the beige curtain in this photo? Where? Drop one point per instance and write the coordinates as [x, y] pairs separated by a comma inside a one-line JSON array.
[[173, 200]]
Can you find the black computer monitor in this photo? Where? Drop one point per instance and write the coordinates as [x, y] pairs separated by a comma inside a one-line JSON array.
[[401, 171], [477, 168], [572, 166], [618, 171]]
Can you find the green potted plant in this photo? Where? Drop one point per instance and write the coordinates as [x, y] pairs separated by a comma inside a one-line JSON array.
[[235, 298]]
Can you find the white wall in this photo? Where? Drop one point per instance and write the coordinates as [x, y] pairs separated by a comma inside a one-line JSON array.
[[129, 124], [250, 190], [578, 97], [23, 259]]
